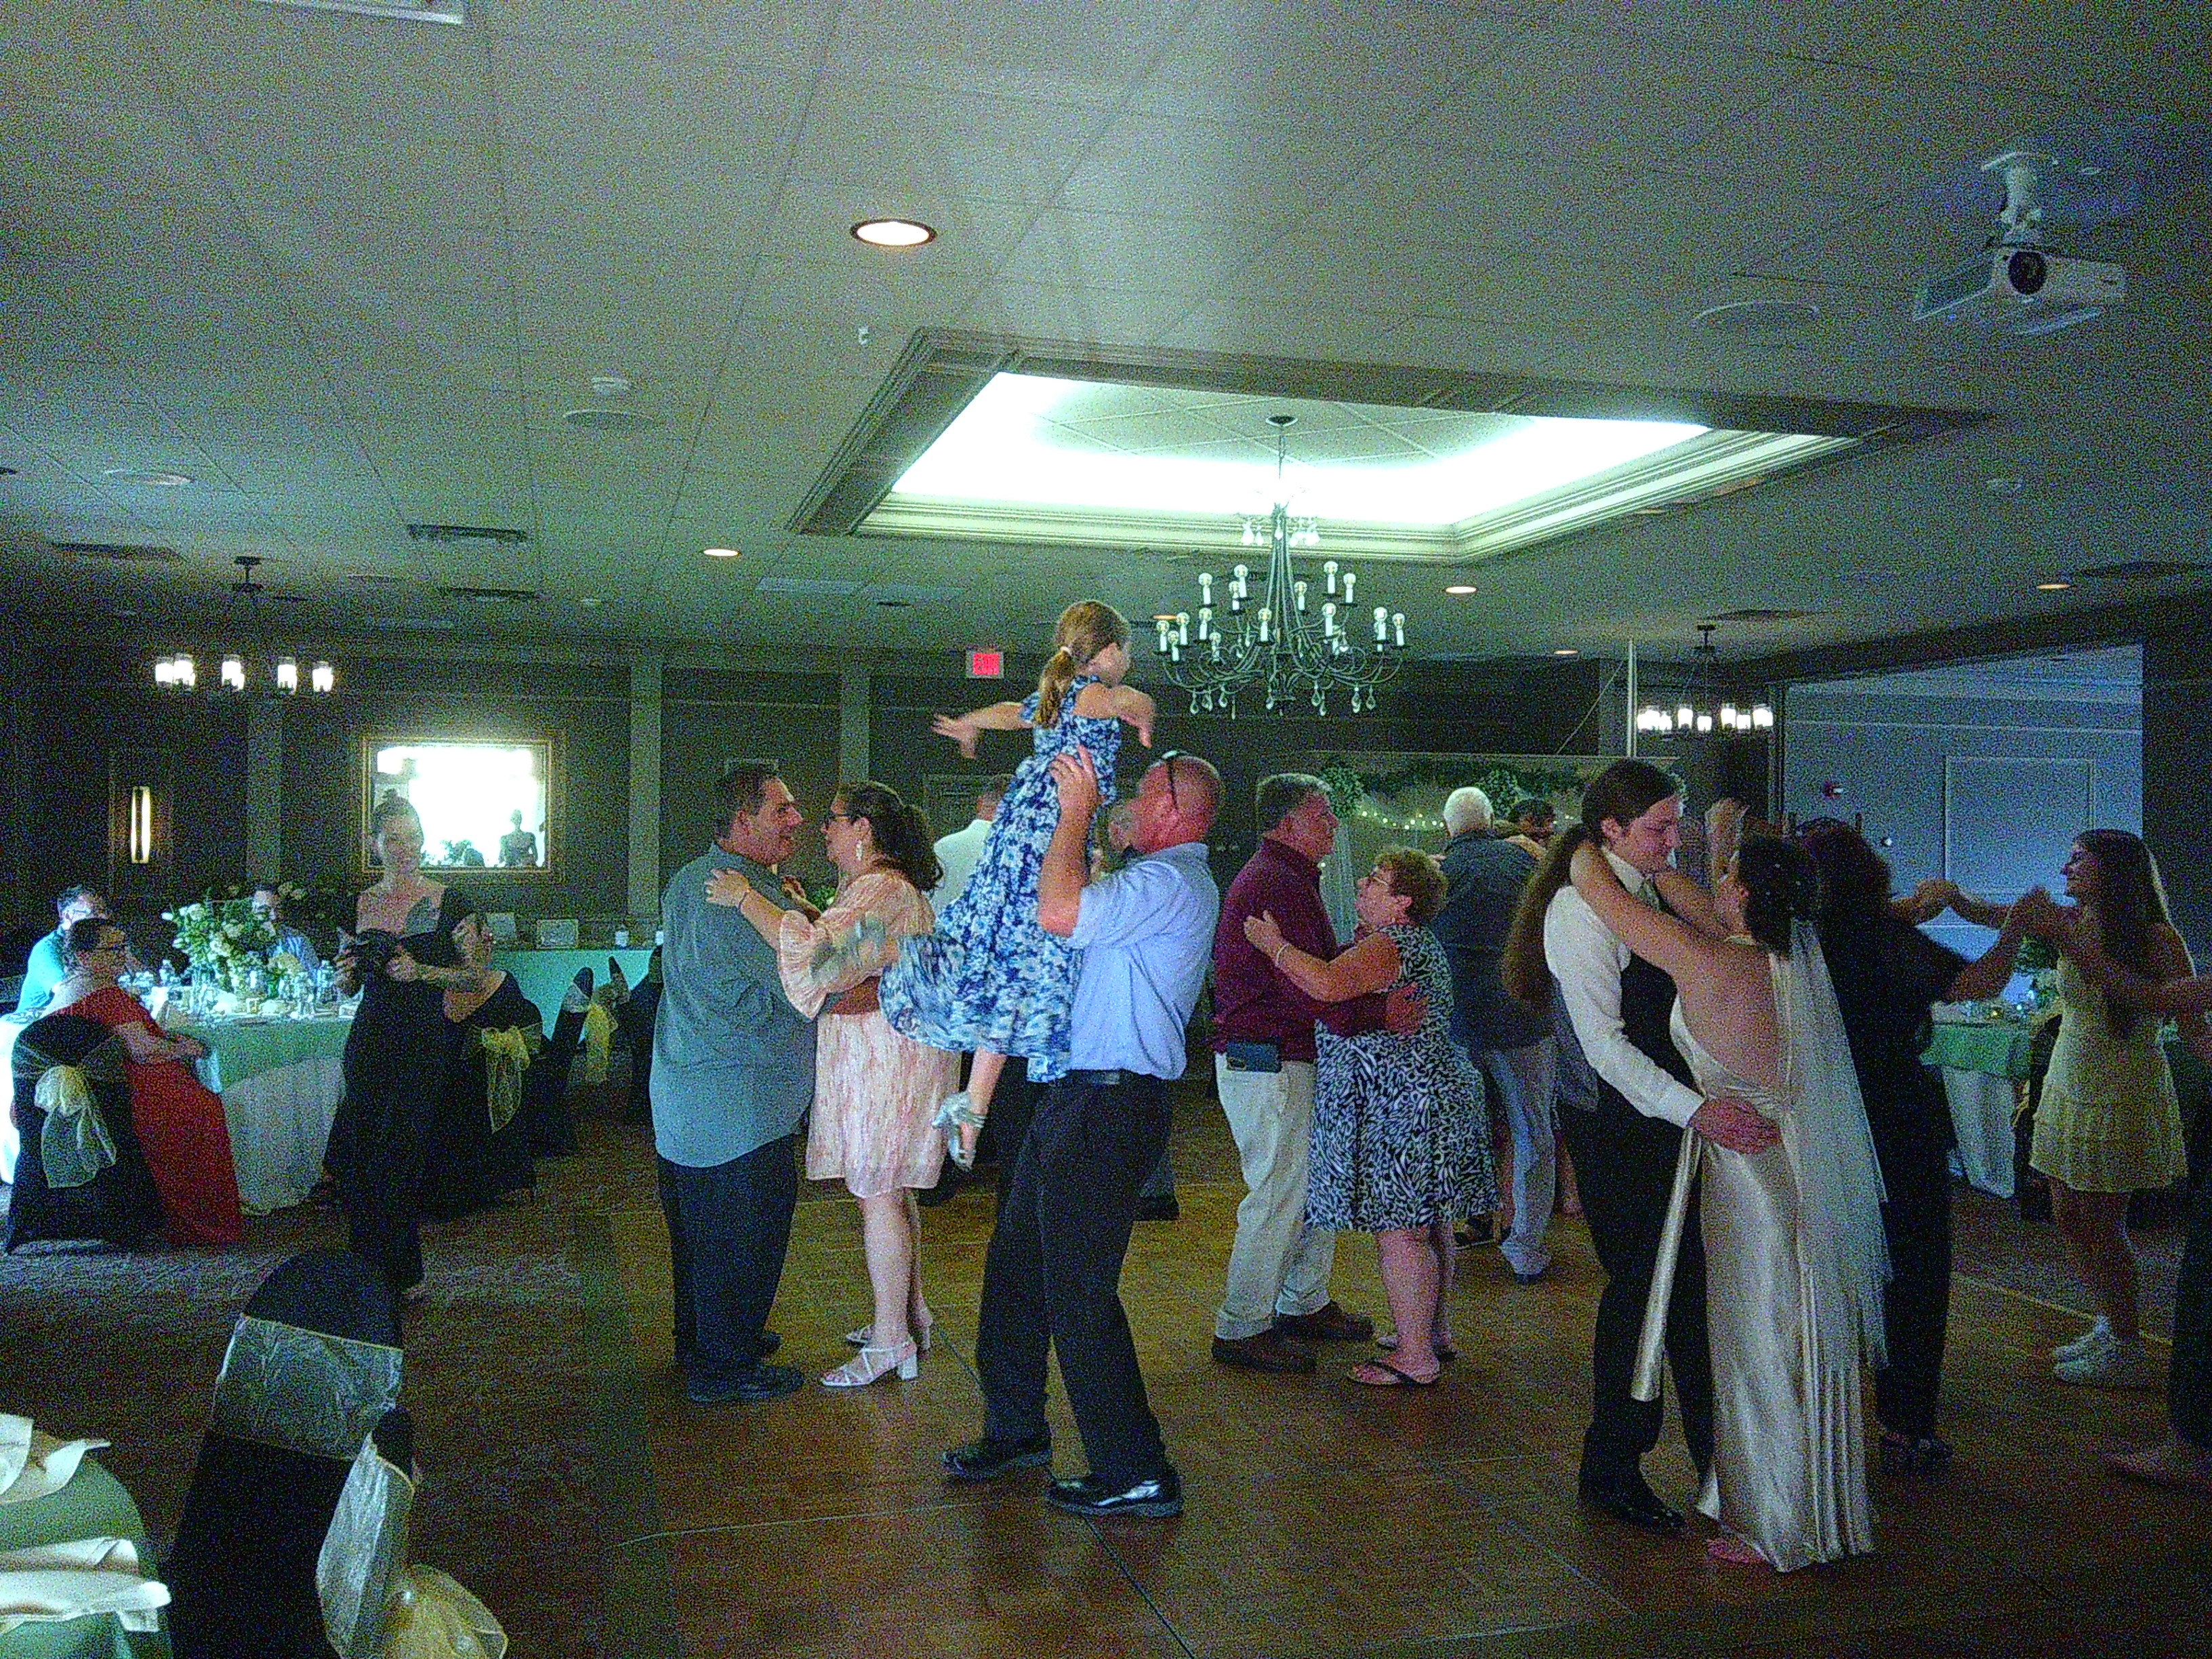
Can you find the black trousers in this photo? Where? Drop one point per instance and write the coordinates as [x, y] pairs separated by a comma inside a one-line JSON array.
[[1625, 1168], [1052, 1277], [2189, 1392], [1916, 1219], [729, 1227]]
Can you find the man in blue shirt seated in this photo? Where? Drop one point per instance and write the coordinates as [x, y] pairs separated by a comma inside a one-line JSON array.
[[1052, 1275], [45, 968], [269, 905], [732, 1076]]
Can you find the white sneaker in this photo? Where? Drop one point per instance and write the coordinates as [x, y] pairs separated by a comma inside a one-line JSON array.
[[2097, 1336], [2116, 1364]]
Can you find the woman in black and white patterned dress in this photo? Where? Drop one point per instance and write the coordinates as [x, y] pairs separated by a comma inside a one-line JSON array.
[[1400, 1146]]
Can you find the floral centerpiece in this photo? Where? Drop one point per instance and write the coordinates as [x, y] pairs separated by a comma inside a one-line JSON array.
[[221, 938]]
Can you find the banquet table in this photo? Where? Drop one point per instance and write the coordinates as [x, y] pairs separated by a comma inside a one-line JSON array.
[[1983, 1061], [280, 1080], [544, 977], [92, 1505]]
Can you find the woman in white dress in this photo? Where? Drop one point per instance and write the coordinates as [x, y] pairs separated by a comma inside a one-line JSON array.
[[1794, 1252]]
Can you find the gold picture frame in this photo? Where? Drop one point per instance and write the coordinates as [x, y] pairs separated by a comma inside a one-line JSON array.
[[437, 771]]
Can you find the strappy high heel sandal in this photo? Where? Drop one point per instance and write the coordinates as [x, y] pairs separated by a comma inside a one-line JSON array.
[[872, 1363], [861, 1336]]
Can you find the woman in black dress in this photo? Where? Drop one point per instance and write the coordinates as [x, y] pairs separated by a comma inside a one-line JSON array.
[[1888, 974], [480, 1149], [403, 960]]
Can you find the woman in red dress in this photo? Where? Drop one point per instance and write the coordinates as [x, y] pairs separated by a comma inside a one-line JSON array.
[[180, 1123]]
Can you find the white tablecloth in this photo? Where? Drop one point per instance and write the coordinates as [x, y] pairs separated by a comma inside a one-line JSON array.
[[1981, 1117], [280, 1083]]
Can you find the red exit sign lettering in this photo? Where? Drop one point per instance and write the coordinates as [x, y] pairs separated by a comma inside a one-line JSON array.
[[987, 664]]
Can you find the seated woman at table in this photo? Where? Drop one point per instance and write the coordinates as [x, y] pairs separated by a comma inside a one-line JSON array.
[[403, 959], [2109, 1124], [79, 1196], [180, 1123], [1888, 976], [876, 1092], [480, 1145]]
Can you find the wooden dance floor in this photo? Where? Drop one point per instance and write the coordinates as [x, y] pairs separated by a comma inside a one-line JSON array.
[[1324, 1517], [602, 1516]]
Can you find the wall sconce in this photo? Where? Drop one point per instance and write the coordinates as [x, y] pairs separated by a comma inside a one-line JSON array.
[[288, 676], [142, 824], [322, 676]]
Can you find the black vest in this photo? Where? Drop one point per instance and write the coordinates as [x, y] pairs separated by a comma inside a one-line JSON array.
[[1646, 1003]]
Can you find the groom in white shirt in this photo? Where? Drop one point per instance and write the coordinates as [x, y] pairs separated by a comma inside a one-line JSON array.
[[1626, 1095]]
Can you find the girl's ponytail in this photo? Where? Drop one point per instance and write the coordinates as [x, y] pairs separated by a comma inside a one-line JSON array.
[[1085, 628]]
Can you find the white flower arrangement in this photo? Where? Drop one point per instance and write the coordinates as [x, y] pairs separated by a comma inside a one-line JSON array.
[[220, 937]]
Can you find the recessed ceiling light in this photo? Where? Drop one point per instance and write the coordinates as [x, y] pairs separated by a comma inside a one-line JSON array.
[[611, 420], [1566, 651], [1461, 587], [590, 602], [2052, 587], [2006, 486], [721, 552], [152, 478], [894, 232]]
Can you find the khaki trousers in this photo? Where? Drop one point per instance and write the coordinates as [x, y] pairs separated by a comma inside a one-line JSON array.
[[1278, 1265]]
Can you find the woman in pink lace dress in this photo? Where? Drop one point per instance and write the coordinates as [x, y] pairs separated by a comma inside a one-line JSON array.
[[875, 1091]]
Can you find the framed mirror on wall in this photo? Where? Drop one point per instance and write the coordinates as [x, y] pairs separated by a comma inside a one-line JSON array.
[[484, 805]]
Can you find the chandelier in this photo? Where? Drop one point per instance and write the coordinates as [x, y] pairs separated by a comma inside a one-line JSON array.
[[1292, 644], [1692, 712], [178, 671]]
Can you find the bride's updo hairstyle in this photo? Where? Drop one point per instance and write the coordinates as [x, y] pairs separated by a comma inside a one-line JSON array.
[[1782, 885], [901, 832], [1085, 628]]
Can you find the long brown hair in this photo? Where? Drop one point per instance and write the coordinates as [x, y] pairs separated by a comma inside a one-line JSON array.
[[1624, 792], [1085, 628], [901, 833], [2130, 904]]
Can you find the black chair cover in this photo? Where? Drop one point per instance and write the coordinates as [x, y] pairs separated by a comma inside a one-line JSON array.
[[242, 1574], [119, 1205], [545, 1085]]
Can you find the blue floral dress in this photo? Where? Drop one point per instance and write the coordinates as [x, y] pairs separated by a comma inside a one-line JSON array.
[[987, 976], [1400, 1135]]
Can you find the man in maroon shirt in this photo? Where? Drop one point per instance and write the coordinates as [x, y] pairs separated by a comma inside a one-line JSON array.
[[1277, 1298]]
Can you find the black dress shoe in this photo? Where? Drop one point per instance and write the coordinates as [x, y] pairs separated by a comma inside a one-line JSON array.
[[1161, 1207], [760, 1382], [1267, 1351], [1627, 1497], [1327, 1323], [1153, 1499], [990, 1458]]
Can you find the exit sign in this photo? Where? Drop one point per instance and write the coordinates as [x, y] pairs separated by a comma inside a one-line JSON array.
[[987, 664]]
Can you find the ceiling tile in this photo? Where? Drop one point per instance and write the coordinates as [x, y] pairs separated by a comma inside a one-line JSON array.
[[1030, 48], [861, 133], [1321, 64], [1561, 94], [1146, 165], [1145, 252]]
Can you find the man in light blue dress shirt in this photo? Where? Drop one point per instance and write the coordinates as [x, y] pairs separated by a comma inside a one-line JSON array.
[[1052, 1276], [732, 1076]]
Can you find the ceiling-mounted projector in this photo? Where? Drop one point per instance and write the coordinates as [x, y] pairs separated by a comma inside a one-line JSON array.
[[2019, 285], [2023, 290]]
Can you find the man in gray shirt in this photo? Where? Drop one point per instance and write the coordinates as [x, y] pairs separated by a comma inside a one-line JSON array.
[[732, 1076]]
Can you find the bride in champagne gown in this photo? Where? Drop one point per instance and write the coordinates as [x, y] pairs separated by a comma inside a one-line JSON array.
[[1795, 1259]]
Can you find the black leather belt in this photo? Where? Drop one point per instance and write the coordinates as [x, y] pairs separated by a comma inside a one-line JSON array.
[[1100, 1080]]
